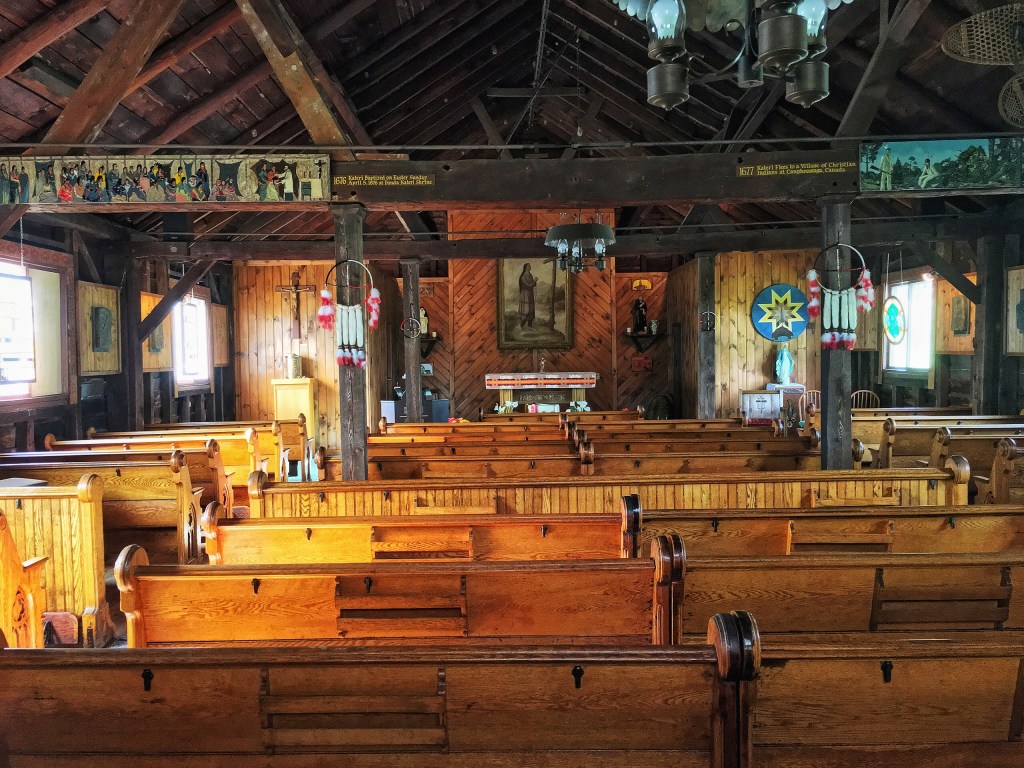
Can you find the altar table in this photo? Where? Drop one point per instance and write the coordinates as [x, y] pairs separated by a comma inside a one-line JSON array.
[[541, 387]]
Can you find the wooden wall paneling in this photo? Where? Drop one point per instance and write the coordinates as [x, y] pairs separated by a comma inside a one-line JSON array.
[[633, 387], [158, 349], [384, 347], [221, 336], [745, 359], [92, 361], [681, 308], [946, 342]]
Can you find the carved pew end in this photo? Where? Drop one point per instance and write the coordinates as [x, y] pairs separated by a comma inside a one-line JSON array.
[[737, 643]]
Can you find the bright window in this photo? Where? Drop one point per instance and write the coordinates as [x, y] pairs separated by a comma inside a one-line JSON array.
[[914, 350], [192, 342]]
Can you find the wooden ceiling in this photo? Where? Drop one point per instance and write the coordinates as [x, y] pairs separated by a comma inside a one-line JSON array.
[[438, 72]]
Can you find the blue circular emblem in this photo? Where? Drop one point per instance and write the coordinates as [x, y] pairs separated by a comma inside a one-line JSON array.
[[779, 312]]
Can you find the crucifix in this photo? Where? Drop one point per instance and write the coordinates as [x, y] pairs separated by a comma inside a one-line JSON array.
[[293, 290]]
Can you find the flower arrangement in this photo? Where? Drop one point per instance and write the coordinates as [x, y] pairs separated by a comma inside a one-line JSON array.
[[579, 406], [509, 407]]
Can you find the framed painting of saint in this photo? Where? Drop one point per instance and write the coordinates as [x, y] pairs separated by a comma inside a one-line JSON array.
[[534, 305]]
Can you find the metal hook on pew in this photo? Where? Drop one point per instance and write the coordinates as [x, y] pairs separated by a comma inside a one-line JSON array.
[[255, 586], [543, 531], [577, 674], [309, 534], [952, 521], [886, 671], [147, 679], [714, 525], [368, 583]]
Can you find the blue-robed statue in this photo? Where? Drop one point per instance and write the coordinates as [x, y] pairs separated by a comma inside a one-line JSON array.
[[784, 365]]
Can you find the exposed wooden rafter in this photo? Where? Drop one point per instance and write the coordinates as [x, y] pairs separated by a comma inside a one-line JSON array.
[[49, 28]]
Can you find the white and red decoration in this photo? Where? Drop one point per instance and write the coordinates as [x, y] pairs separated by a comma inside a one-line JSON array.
[[838, 308], [350, 321]]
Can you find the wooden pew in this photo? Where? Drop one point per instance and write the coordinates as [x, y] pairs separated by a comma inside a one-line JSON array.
[[291, 434], [637, 414], [813, 419], [375, 539], [65, 525], [750, 490], [472, 428], [644, 444], [240, 453], [375, 707], [910, 445], [612, 465], [940, 700], [521, 466], [597, 602], [588, 433], [205, 466], [1005, 483], [862, 592], [473, 449], [737, 533], [871, 430], [147, 502], [22, 601]]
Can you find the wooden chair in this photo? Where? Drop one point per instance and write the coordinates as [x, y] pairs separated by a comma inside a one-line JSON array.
[[809, 399], [865, 398]]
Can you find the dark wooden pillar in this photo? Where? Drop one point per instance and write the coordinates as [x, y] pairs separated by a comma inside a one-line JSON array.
[[988, 328], [836, 364], [1009, 366], [132, 306], [348, 246], [413, 381], [706, 384]]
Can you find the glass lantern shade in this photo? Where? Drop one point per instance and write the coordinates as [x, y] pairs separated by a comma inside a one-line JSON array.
[[666, 25]]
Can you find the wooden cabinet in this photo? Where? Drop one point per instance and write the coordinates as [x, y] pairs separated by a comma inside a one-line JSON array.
[[295, 396]]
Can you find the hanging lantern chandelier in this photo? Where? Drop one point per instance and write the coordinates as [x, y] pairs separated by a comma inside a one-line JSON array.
[[781, 39], [580, 244]]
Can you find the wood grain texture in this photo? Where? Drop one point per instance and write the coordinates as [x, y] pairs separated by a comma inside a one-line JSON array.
[[682, 309], [157, 355], [946, 342], [91, 361], [22, 601]]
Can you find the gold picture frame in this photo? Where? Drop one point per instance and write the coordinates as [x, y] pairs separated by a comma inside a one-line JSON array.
[[534, 305]]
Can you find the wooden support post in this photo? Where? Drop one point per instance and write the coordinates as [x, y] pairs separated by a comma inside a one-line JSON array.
[[706, 389], [988, 327], [413, 381], [1009, 402], [836, 364], [132, 304], [942, 374], [348, 243]]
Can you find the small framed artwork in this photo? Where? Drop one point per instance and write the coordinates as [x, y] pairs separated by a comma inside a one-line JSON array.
[[642, 363], [157, 350], [960, 316], [99, 329], [1015, 311], [221, 344]]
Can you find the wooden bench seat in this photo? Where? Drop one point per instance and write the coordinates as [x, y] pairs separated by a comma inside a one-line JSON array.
[[147, 502], [561, 417], [490, 448], [596, 602], [870, 430], [240, 453], [205, 466], [22, 601], [813, 415], [748, 490], [382, 707], [730, 532], [552, 430], [910, 445], [949, 700], [588, 433], [701, 462], [520, 466], [441, 537], [860, 592], [291, 434], [643, 444], [1005, 483], [64, 524]]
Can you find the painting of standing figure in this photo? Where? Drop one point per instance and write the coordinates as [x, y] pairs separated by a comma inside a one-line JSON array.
[[534, 305]]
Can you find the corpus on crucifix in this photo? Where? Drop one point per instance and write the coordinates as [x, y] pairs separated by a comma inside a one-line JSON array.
[[292, 292]]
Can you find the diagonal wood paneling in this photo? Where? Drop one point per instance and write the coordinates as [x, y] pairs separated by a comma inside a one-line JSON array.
[[435, 300], [640, 388]]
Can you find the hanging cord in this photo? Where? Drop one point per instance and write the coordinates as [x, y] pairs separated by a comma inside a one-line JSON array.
[[21, 240]]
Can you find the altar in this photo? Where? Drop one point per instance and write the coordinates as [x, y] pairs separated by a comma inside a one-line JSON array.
[[540, 388]]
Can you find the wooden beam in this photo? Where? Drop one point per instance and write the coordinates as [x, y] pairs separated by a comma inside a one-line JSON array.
[[133, 340], [836, 364], [49, 28], [411, 302], [293, 63], [197, 35], [476, 184], [374, 249], [889, 56], [348, 244], [494, 137], [109, 77], [177, 292], [929, 256], [9, 216], [548, 91], [988, 326], [706, 389]]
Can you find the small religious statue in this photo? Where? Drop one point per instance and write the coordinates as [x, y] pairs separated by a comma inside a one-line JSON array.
[[424, 322], [639, 316], [784, 364]]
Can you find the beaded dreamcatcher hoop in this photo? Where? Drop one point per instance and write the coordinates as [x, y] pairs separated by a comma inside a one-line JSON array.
[[347, 320], [838, 307]]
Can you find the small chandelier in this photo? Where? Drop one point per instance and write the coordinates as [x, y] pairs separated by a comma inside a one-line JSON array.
[[579, 243]]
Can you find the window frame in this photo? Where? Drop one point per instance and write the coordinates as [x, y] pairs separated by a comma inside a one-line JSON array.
[[61, 264], [202, 386], [909, 374]]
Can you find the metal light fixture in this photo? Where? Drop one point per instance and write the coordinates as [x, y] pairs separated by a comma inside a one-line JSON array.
[[667, 85], [781, 37], [580, 243], [809, 84]]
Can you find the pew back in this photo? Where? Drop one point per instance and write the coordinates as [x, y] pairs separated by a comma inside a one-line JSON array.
[[748, 490], [440, 537], [597, 602], [407, 708], [65, 525]]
